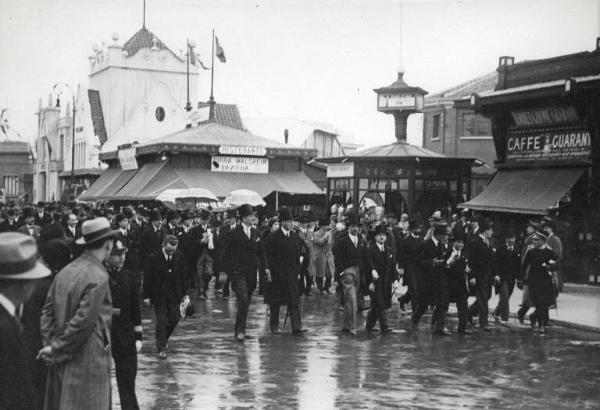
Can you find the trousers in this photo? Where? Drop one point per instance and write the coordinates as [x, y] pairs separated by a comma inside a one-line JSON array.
[[292, 310], [349, 290], [243, 293], [167, 317], [126, 370], [377, 310]]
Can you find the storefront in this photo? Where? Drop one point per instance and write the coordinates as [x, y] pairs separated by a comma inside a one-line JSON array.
[[210, 156], [545, 122], [400, 177]]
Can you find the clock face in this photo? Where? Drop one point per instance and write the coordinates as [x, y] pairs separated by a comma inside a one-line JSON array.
[[396, 101]]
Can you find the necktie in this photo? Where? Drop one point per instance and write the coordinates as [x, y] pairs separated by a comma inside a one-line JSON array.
[[355, 241]]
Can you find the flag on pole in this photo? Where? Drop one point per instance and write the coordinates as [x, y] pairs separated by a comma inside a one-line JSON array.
[[220, 53], [191, 54]]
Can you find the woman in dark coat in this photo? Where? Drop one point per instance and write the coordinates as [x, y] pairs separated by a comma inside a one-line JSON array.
[[536, 272]]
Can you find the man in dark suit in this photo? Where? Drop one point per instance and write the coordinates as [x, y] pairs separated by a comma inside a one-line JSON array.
[[284, 249], [381, 273], [72, 228], [20, 269], [30, 228], [166, 285], [408, 259], [456, 270], [508, 264], [204, 250], [42, 218], [10, 223], [482, 264], [188, 244], [172, 225], [241, 255], [126, 328], [130, 240], [432, 279], [349, 265]]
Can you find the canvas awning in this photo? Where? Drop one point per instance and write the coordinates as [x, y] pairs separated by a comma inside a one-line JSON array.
[[111, 180], [525, 191], [154, 178]]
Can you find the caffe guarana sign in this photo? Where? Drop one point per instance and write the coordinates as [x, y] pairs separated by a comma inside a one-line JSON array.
[[548, 145], [545, 116]]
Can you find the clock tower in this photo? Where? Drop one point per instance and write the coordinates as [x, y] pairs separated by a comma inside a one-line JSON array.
[[401, 100]]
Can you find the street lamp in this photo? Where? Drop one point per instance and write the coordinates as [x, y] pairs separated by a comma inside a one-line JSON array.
[[62, 86]]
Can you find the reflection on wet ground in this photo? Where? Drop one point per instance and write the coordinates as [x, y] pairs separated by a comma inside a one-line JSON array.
[[509, 367]]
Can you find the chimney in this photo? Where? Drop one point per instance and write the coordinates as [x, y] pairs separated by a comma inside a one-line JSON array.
[[286, 135], [503, 63]]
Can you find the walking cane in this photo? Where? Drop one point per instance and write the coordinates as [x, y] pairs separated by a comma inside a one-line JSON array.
[[287, 313]]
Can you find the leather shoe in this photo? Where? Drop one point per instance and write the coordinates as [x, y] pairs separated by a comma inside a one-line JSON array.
[[372, 330], [443, 332], [275, 332], [162, 354], [465, 332], [387, 331], [487, 328], [299, 332], [345, 330], [240, 337]]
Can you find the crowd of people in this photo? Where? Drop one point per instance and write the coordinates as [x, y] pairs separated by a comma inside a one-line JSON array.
[[73, 278]]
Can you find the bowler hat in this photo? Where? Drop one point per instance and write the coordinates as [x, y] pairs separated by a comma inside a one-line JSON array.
[[380, 229], [172, 214], [120, 217], [440, 229], [187, 214], [203, 214], [29, 213], [285, 215], [352, 219], [245, 210], [41, 204], [128, 213], [95, 230], [19, 257], [485, 225]]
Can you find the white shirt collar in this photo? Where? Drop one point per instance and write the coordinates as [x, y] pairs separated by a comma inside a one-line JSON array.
[[381, 247], [353, 237], [435, 241], [286, 233], [8, 305]]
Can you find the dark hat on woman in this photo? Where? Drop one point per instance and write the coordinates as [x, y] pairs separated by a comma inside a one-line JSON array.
[[284, 215], [245, 210]]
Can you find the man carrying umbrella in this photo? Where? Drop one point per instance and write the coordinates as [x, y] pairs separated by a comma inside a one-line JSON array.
[[242, 253], [284, 249]]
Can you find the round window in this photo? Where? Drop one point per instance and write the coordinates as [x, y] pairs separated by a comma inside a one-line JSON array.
[[159, 113]]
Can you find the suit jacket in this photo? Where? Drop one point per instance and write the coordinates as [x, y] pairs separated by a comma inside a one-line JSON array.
[[151, 243], [76, 323], [124, 289], [36, 231], [46, 219], [132, 242], [69, 234], [16, 384], [164, 282], [457, 277], [385, 265], [432, 279], [283, 254], [408, 253], [347, 255], [242, 255], [481, 261], [508, 263], [7, 227]]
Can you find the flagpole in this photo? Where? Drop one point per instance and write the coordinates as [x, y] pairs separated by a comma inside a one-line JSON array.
[[188, 105], [211, 101]]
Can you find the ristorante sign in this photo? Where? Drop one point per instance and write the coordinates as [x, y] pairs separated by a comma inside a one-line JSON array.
[[246, 165], [565, 143]]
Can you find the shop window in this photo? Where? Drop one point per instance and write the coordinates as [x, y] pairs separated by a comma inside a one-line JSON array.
[[476, 126], [418, 184], [453, 186], [403, 184], [436, 129], [363, 183]]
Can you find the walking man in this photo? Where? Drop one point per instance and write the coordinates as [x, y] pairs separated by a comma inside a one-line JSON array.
[[508, 263], [241, 255], [482, 264], [284, 250], [75, 326], [166, 284]]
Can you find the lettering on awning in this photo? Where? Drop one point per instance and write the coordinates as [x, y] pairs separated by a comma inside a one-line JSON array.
[[545, 116]]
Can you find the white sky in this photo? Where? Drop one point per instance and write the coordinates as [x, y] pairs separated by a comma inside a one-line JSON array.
[[310, 59]]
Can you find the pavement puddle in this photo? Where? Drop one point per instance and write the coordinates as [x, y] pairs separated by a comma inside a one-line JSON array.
[[584, 343]]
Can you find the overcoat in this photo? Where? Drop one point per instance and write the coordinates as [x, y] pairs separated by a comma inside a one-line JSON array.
[[385, 265], [283, 254], [162, 286], [323, 254], [76, 322], [538, 276], [432, 280]]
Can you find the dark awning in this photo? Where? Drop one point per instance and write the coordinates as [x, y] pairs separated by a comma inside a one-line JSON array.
[[525, 191], [154, 178], [111, 180]]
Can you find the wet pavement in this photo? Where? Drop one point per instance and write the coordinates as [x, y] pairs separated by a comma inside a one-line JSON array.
[[510, 367]]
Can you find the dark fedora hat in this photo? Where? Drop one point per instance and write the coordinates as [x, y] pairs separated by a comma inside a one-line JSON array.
[[352, 219], [172, 214], [95, 230], [19, 257], [155, 215], [245, 210], [187, 214], [380, 229]]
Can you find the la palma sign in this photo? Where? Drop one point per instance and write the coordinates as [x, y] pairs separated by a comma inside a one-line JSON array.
[[549, 145]]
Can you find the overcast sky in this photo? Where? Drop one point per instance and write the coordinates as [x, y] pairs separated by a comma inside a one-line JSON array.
[[310, 59]]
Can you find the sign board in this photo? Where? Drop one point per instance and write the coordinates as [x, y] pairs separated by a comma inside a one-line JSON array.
[[197, 115], [342, 170], [436, 184], [549, 145], [242, 150], [397, 101], [127, 159], [245, 165], [545, 116]]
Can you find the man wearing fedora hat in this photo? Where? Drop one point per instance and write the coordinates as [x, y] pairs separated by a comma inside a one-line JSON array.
[[126, 328], [482, 261], [242, 253], [152, 238], [30, 227], [75, 325], [19, 269]]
